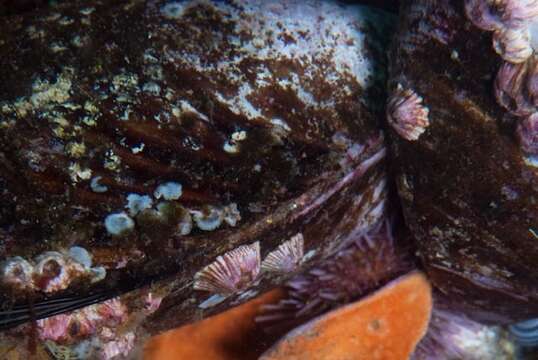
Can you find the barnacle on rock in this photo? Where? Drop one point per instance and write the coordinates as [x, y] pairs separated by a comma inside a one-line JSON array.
[[208, 218], [52, 271], [286, 257], [119, 223], [231, 272], [17, 272], [406, 114]]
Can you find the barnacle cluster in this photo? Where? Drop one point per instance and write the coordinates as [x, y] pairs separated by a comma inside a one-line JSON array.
[[515, 38], [50, 271], [141, 208], [239, 268]]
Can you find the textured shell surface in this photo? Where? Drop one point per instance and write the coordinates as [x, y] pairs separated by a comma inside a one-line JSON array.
[[469, 182], [159, 135]]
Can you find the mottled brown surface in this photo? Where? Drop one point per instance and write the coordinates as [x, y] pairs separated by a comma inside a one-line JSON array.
[[90, 59], [468, 197]]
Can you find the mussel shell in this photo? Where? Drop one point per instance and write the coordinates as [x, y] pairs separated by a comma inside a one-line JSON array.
[[467, 193], [240, 104]]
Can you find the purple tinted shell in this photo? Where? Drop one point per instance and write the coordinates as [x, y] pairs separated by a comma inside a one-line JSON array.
[[527, 132], [483, 15], [511, 88]]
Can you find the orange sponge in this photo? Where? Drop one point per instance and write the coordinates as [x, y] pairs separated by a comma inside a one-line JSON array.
[[386, 325]]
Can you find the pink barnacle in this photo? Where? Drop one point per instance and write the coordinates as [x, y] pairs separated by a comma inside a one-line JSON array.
[[513, 44], [406, 114], [112, 311], [511, 89], [527, 132], [231, 272], [286, 257], [152, 302], [518, 13], [55, 328]]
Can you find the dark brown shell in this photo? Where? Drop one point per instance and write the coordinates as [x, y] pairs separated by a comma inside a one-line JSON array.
[[468, 194], [116, 98]]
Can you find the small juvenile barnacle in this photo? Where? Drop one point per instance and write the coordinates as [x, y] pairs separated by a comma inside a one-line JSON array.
[[173, 10], [119, 223], [17, 272], [209, 218], [52, 272], [527, 133], [231, 214], [406, 114], [168, 191], [96, 187], [137, 203], [231, 272], [286, 257]]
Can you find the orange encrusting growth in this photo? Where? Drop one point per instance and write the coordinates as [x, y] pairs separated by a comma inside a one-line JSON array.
[[386, 325], [230, 335]]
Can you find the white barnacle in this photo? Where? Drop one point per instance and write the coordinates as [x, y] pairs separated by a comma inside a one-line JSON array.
[[286, 257], [231, 272], [168, 191], [209, 218], [231, 214], [96, 187], [81, 255], [52, 270], [118, 223], [406, 114], [230, 147], [173, 10], [137, 203], [17, 272]]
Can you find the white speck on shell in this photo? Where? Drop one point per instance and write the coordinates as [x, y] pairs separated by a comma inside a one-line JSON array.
[[209, 218]]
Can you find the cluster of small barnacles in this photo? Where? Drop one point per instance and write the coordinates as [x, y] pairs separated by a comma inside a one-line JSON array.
[[88, 332], [406, 114], [140, 208], [510, 21], [50, 271], [238, 269], [516, 85]]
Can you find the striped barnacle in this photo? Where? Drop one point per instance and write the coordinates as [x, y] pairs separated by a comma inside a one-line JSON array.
[[527, 132], [406, 114], [286, 257], [513, 83], [17, 272], [209, 218], [231, 272], [513, 44]]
